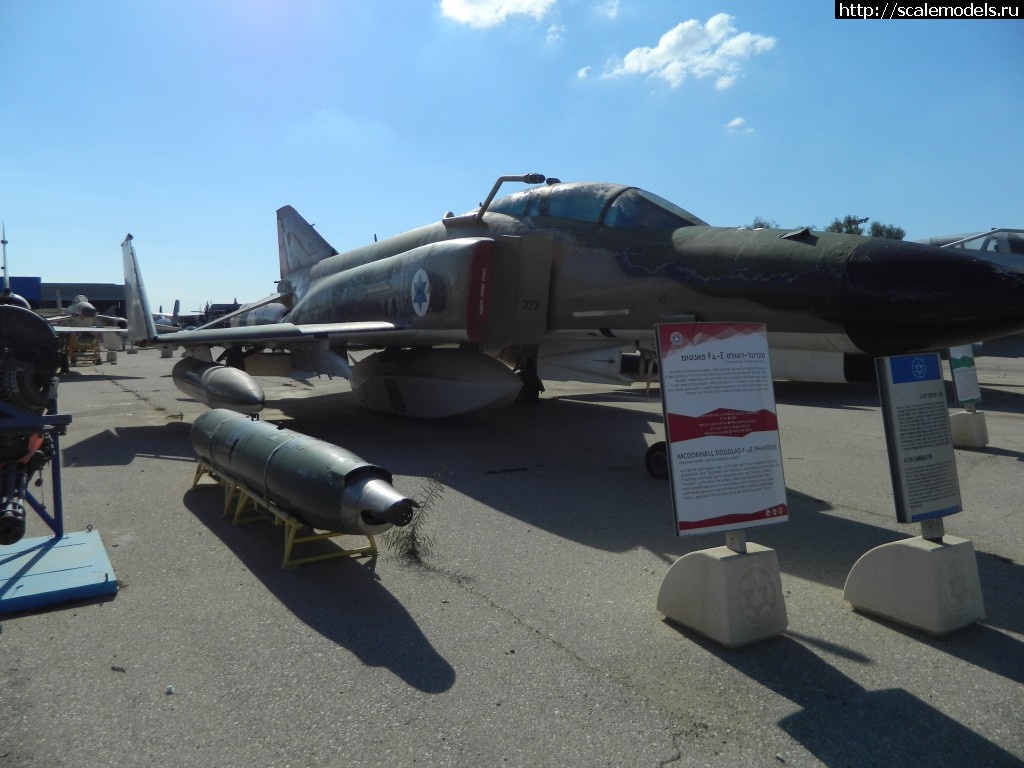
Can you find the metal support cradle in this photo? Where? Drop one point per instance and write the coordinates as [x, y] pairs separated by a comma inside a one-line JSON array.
[[244, 506]]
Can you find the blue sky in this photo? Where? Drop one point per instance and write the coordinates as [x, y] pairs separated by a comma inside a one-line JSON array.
[[189, 122]]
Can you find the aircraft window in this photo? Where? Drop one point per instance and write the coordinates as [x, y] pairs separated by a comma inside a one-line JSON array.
[[1016, 243], [637, 209], [514, 204], [577, 202]]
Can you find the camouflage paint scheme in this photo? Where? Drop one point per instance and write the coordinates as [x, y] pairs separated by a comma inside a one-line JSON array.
[[559, 277]]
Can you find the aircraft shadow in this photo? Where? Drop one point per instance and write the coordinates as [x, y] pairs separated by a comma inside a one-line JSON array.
[[858, 396], [343, 600], [571, 468], [1007, 347], [121, 445], [575, 469], [76, 377], [843, 724]]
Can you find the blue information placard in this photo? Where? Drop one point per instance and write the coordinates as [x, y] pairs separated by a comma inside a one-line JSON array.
[[921, 458]]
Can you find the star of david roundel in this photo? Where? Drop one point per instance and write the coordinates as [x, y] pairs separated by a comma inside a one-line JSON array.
[[420, 293], [756, 596]]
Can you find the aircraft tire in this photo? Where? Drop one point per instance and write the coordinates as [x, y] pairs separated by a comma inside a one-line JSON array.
[[656, 461]]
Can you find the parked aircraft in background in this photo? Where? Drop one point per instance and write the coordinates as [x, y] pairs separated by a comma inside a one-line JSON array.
[[79, 328], [83, 331], [553, 281], [1003, 245], [81, 316]]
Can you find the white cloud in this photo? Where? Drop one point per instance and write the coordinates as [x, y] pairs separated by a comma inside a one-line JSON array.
[[738, 125], [582, 73], [555, 33], [692, 49], [491, 13]]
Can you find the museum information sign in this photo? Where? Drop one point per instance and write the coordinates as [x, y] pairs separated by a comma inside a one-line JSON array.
[[921, 458], [965, 375], [722, 433]]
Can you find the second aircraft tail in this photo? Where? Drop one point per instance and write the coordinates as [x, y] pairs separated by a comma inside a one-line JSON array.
[[299, 246], [141, 325]]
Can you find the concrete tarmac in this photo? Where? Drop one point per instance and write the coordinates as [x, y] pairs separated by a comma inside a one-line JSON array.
[[528, 635]]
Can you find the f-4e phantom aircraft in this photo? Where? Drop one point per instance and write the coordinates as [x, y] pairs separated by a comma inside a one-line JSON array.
[[553, 281]]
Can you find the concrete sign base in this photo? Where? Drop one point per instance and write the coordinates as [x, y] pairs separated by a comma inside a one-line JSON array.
[[733, 598], [926, 584], [968, 429]]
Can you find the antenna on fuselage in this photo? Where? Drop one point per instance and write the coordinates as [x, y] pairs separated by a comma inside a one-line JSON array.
[[6, 297]]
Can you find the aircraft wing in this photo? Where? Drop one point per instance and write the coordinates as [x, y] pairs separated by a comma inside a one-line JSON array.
[[98, 323], [369, 333], [243, 309], [87, 329]]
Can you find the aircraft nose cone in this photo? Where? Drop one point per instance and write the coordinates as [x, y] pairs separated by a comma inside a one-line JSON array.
[[87, 310], [901, 296]]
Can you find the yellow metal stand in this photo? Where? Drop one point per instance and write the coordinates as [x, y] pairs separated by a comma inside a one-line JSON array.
[[84, 350], [244, 507]]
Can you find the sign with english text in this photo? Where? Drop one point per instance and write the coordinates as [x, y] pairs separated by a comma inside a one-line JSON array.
[[917, 435], [722, 433]]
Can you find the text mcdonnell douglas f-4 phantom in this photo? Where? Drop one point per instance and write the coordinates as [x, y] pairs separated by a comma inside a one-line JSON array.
[[553, 281]]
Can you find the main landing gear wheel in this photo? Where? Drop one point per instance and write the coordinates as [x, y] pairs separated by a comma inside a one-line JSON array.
[[657, 461]]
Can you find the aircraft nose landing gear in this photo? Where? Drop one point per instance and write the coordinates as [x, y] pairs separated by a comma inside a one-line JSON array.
[[656, 460]]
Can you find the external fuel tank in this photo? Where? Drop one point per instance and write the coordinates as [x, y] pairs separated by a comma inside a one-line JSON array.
[[321, 484]]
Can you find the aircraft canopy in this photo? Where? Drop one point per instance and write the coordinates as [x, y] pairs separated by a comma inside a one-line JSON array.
[[610, 205]]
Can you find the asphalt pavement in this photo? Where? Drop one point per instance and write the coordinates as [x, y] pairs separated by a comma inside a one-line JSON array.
[[527, 635]]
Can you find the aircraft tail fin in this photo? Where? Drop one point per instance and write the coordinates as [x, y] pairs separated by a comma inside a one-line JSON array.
[[177, 311], [299, 245], [141, 325]]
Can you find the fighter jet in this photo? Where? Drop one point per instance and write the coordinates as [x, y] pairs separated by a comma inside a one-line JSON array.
[[552, 281], [82, 315], [78, 329], [1002, 245]]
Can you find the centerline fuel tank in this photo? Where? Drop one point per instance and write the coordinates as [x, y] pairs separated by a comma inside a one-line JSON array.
[[320, 483]]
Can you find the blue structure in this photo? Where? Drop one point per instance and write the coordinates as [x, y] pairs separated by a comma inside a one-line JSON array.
[[47, 570]]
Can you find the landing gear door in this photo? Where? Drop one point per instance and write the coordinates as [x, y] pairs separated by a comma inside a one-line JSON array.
[[519, 298]]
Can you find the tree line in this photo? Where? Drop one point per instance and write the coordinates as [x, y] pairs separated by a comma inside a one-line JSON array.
[[848, 225]]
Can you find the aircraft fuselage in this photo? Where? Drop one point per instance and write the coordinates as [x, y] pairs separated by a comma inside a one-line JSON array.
[[556, 279]]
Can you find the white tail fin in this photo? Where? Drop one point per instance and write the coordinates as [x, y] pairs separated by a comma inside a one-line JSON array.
[[299, 246], [141, 326]]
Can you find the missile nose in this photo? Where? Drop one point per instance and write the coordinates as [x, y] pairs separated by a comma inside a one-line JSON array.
[[379, 502], [899, 296]]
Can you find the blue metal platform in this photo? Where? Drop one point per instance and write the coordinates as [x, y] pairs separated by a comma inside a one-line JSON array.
[[51, 569]]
